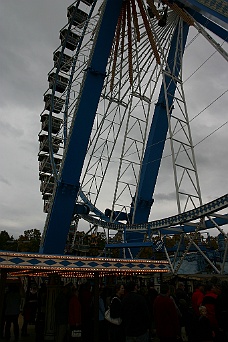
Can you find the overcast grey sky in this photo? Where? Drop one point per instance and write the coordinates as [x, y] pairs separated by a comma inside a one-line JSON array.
[[29, 33]]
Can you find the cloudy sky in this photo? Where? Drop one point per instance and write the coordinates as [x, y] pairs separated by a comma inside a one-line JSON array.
[[29, 33]]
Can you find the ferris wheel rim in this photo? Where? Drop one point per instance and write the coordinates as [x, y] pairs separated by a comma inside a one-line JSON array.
[[52, 103], [106, 221]]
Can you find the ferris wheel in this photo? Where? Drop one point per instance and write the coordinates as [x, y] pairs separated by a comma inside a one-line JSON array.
[[116, 116]]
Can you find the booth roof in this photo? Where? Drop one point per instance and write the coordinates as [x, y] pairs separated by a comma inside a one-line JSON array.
[[40, 264]]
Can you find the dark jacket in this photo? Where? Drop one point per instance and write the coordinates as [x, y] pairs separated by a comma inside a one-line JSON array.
[[135, 314], [204, 329], [115, 307]]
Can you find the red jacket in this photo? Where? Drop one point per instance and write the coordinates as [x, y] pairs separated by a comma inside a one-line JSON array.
[[197, 298], [209, 301], [74, 311], [166, 317]]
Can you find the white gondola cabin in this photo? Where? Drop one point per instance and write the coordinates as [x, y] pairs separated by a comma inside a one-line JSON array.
[[57, 103], [62, 60], [78, 16], [56, 123], [69, 39], [44, 144]]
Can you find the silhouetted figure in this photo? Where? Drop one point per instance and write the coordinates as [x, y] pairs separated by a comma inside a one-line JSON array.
[[166, 316], [12, 311], [135, 314], [85, 297], [116, 331], [209, 301], [221, 310], [103, 335], [181, 295], [30, 309], [75, 320], [197, 297], [183, 302], [41, 313], [151, 295], [204, 329], [61, 314]]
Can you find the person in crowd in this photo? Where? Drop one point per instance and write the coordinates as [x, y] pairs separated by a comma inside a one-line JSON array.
[[102, 323], [135, 315], [61, 313], [197, 297], [221, 311], [33, 303], [183, 302], [181, 294], [166, 316], [107, 296], [12, 310], [204, 329], [74, 312], [209, 301], [30, 308], [41, 312], [184, 316], [116, 331], [151, 295], [172, 295], [85, 297]]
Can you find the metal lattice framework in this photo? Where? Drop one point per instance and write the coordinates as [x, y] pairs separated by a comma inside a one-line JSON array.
[[112, 112]]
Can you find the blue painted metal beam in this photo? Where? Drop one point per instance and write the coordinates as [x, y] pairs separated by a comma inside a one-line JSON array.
[[210, 8], [210, 25], [156, 139], [59, 220], [158, 133], [188, 228], [129, 245]]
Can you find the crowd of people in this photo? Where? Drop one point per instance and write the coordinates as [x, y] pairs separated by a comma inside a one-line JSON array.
[[201, 316], [127, 312], [31, 304], [142, 314]]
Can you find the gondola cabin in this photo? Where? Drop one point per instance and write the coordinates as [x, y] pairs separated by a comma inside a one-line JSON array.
[[57, 103], [56, 123], [62, 61], [58, 81], [69, 39], [78, 16]]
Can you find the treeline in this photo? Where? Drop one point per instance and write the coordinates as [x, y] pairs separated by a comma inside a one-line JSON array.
[[28, 242], [93, 244]]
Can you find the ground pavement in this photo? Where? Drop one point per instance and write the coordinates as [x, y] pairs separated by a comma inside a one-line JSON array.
[[32, 336]]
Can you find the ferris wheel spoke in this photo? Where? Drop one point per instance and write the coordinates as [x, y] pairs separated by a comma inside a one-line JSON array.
[[125, 121]]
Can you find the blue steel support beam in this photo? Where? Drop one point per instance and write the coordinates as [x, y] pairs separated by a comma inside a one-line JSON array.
[[210, 25], [214, 9], [59, 220], [158, 132], [156, 139]]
